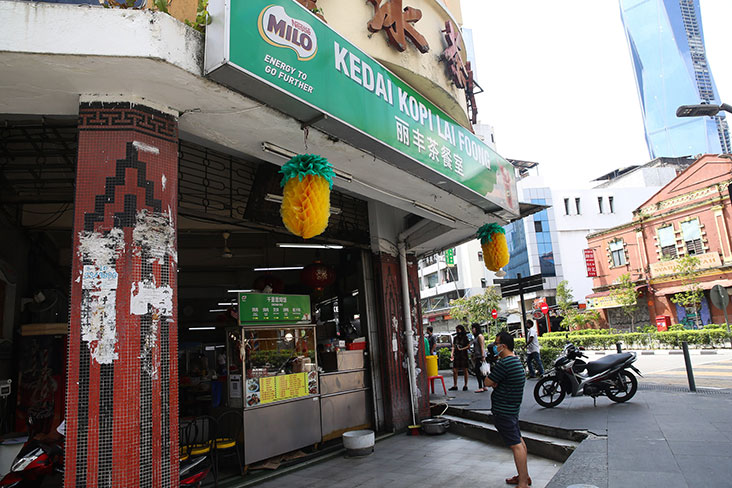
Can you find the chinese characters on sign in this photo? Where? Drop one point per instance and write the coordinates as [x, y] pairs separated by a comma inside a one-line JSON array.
[[460, 73], [437, 152], [261, 307], [590, 263], [398, 23]]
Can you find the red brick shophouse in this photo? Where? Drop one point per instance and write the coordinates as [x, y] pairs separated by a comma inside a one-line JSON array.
[[688, 216]]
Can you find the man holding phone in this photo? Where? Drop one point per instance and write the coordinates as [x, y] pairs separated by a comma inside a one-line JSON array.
[[507, 378]]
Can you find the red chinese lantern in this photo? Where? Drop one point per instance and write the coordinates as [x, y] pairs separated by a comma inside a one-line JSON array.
[[317, 275]]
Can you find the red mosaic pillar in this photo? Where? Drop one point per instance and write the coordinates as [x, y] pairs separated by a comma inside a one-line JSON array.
[[392, 341], [122, 391]]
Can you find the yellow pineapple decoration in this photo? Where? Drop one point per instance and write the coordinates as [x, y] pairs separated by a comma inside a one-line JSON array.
[[305, 207], [495, 250]]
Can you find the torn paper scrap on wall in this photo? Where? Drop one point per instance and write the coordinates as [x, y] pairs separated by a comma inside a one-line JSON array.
[[101, 248], [150, 355], [99, 292], [154, 236], [146, 297], [98, 325]]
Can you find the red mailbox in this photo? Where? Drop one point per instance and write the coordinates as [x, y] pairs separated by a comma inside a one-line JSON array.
[[663, 322]]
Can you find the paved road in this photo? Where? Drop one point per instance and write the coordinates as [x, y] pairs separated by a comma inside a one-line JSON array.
[[710, 371], [668, 368]]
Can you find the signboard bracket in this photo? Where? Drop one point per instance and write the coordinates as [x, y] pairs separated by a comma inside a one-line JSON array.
[[313, 121]]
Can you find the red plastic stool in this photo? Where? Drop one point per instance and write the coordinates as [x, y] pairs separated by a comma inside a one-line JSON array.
[[432, 383]]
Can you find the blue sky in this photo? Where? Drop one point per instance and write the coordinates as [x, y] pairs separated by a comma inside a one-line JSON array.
[[559, 85]]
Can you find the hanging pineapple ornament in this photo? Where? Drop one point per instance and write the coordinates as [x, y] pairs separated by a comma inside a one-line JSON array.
[[493, 242], [305, 207]]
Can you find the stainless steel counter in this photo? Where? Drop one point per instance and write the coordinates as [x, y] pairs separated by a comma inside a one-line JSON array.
[[276, 428], [344, 402]]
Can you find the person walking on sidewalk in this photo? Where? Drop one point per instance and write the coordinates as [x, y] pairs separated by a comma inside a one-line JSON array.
[[532, 350], [459, 357], [507, 379], [478, 355]]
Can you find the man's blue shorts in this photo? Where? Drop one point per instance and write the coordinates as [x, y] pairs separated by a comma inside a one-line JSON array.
[[508, 427]]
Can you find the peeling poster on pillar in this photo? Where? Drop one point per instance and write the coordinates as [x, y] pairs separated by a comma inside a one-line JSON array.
[[104, 278]]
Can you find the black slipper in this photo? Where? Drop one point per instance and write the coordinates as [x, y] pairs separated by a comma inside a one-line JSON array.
[[454, 388], [465, 388]]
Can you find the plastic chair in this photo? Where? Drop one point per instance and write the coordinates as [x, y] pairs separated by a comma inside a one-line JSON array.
[[229, 428], [200, 440], [432, 383]]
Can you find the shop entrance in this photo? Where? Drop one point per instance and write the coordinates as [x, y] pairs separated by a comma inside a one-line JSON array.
[[229, 237]]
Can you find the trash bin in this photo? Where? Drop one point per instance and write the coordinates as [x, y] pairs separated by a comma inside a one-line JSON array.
[[431, 365], [663, 322]]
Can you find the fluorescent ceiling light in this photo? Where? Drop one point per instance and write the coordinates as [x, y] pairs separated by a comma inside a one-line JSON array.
[[309, 246], [268, 147], [284, 268], [277, 150], [274, 198], [238, 291], [434, 211], [201, 328], [354, 293], [343, 175], [214, 310], [223, 304], [271, 197]]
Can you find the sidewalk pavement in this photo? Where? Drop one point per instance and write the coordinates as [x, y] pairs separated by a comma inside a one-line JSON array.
[[403, 461], [664, 437]]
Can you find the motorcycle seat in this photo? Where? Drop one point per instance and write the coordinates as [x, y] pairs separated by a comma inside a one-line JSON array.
[[608, 362]]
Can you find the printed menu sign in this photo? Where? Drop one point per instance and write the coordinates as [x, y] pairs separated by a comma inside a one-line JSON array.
[[257, 308], [275, 388]]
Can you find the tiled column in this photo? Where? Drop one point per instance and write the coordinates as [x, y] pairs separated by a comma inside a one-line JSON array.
[[122, 392], [392, 344]]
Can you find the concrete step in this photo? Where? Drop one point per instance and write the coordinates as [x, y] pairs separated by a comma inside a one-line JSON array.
[[482, 429]]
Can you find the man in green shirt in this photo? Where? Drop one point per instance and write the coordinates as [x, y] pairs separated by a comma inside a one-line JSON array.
[[507, 378]]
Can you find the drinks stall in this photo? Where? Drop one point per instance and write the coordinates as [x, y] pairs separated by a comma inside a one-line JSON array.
[[289, 400], [273, 374]]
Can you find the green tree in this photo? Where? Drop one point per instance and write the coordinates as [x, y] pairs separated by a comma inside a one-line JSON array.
[[624, 293], [687, 269], [565, 300], [477, 308], [573, 318]]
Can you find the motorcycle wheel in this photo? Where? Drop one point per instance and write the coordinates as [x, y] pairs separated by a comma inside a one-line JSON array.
[[549, 392], [623, 388]]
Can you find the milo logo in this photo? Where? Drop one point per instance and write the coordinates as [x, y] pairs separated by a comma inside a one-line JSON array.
[[281, 30]]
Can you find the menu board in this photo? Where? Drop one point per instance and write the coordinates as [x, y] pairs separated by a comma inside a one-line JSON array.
[[282, 387], [257, 308]]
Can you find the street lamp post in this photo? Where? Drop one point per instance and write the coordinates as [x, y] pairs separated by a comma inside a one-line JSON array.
[[702, 110]]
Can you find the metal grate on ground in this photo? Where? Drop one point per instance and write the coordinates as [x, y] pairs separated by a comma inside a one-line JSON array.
[[683, 389]]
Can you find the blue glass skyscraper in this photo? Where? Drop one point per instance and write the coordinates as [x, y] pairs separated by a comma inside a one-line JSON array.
[[667, 46]]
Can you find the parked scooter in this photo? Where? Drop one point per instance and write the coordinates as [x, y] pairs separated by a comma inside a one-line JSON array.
[[41, 456], [35, 461], [570, 375], [193, 470]]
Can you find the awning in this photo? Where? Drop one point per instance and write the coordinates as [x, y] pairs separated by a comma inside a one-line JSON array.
[[705, 285], [598, 294]]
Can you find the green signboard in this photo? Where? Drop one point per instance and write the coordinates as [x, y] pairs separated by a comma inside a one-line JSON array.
[[450, 257], [259, 308], [279, 44]]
